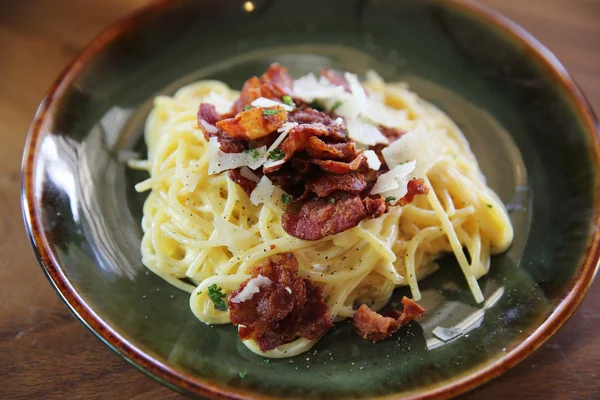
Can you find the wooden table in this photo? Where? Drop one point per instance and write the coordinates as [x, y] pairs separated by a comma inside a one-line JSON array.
[[45, 353]]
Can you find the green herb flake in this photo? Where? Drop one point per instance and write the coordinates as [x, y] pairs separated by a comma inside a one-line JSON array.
[[266, 361], [253, 153], [286, 198], [216, 295], [271, 112], [317, 106], [389, 199], [243, 374], [199, 293], [248, 108], [332, 200], [336, 105], [288, 100], [276, 155], [489, 206]]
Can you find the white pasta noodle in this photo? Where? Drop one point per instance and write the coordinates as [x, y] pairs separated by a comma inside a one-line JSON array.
[[202, 229]]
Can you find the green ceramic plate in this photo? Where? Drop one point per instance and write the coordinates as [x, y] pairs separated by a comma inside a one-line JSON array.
[[529, 125]]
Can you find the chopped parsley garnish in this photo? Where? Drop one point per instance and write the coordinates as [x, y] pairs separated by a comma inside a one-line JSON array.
[[253, 153], [276, 155], [271, 112], [317, 106], [336, 105], [489, 206], [247, 108], [390, 199], [288, 100], [216, 295], [266, 361], [199, 293], [286, 198], [243, 374], [332, 200]]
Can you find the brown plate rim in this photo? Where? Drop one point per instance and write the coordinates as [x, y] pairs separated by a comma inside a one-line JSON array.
[[177, 380]]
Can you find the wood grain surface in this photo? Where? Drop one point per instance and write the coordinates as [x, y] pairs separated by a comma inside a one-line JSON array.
[[46, 354]]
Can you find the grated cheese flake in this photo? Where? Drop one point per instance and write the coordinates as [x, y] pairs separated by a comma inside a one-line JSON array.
[[396, 178], [364, 133], [262, 192], [218, 161], [210, 128], [372, 160], [309, 88], [413, 145], [248, 174], [263, 102], [252, 287]]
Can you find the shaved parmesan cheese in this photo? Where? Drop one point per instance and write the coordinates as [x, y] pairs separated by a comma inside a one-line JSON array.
[[263, 102], [381, 114], [262, 192], [358, 93], [364, 133], [248, 174], [252, 287], [339, 121], [236, 239], [284, 129], [372, 160], [209, 127], [271, 164], [308, 88], [222, 105], [219, 161], [396, 178], [413, 145]]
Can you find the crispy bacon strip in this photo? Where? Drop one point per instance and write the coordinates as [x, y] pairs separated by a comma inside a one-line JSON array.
[[376, 327], [289, 308], [208, 113], [375, 206], [324, 185], [415, 187], [316, 148], [254, 124], [273, 84], [338, 167], [310, 116], [320, 217]]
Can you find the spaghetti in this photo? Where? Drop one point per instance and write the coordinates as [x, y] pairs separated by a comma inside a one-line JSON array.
[[202, 230]]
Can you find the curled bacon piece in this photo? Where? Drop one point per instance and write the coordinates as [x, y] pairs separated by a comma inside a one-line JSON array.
[[320, 217], [415, 187], [324, 185], [375, 206], [317, 148], [289, 308], [273, 84], [254, 124], [208, 113], [339, 167], [376, 327], [246, 184], [309, 116]]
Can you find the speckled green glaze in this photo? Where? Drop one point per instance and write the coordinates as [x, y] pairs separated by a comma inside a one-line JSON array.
[[534, 141]]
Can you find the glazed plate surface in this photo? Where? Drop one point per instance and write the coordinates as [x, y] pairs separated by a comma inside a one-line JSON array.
[[532, 131]]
